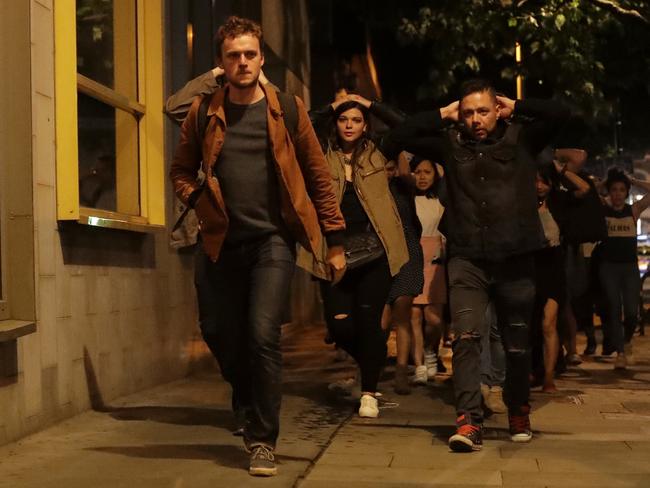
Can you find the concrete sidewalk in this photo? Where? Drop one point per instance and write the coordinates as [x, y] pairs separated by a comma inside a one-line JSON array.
[[595, 433], [179, 435]]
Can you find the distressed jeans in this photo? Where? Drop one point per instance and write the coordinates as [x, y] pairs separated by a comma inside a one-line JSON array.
[[241, 303], [510, 286], [493, 357]]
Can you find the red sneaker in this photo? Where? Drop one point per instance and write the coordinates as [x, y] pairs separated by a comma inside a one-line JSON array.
[[520, 425], [468, 436]]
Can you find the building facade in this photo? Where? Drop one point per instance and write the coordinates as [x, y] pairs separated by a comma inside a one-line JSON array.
[[94, 304]]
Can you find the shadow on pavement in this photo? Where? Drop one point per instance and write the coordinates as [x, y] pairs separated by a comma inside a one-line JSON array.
[[635, 377], [225, 455], [443, 432], [175, 415]]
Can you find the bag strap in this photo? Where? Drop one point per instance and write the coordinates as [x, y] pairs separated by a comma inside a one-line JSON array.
[[201, 126], [287, 104], [180, 219], [290, 113], [202, 117]]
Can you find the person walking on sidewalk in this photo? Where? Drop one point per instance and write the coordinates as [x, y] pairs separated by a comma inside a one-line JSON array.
[[619, 267], [427, 322], [549, 265], [374, 237], [409, 282], [493, 230], [263, 191]]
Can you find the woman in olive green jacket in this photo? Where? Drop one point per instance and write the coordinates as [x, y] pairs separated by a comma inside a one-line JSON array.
[[354, 305]]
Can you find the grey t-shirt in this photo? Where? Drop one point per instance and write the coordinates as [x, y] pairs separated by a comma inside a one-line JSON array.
[[246, 173]]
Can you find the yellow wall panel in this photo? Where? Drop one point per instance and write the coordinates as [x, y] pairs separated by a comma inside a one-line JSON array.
[[65, 66], [152, 74]]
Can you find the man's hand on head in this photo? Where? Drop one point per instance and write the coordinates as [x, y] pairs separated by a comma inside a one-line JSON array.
[[450, 112], [506, 105]]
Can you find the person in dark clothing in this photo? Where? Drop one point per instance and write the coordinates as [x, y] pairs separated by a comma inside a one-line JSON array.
[[619, 268], [584, 225], [493, 227], [549, 266], [353, 307], [409, 282], [264, 191]]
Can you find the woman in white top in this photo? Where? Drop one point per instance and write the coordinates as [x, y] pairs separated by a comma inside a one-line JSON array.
[[430, 303]]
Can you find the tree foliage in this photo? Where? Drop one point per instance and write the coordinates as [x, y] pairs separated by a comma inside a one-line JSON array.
[[585, 51]]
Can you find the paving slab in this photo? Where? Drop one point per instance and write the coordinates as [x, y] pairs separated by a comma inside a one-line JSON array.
[[570, 479], [406, 476], [594, 433]]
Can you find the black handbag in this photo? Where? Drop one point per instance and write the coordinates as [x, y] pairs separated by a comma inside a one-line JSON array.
[[362, 248]]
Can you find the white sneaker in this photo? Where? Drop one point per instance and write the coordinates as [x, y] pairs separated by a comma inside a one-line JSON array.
[[431, 362], [421, 375], [369, 408]]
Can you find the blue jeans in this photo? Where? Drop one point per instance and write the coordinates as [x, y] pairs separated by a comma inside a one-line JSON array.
[[510, 285], [242, 298], [621, 285], [493, 357]]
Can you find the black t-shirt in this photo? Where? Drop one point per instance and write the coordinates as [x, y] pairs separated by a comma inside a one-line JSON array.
[[246, 173], [356, 218], [620, 244]]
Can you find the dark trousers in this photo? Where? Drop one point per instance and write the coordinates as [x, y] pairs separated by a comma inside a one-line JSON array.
[[510, 285], [353, 309], [241, 302], [621, 285]]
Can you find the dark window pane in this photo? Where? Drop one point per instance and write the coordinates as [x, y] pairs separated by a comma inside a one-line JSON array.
[[106, 43], [108, 157]]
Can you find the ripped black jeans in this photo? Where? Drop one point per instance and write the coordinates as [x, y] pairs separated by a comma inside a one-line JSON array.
[[353, 309], [510, 285]]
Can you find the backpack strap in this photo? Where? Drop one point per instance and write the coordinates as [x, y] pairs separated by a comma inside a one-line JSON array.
[[287, 104], [202, 117], [290, 110]]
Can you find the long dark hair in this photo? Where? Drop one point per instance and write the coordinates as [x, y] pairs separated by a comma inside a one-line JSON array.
[[333, 137], [434, 190], [550, 176]]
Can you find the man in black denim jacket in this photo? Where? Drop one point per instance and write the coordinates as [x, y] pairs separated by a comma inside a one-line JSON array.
[[488, 144]]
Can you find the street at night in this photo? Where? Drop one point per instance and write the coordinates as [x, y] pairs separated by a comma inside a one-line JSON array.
[[319, 243]]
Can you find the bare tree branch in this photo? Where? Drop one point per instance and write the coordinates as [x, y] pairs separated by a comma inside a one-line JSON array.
[[617, 8]]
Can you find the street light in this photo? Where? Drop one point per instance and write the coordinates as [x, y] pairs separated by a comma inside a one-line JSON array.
[[520, 77]]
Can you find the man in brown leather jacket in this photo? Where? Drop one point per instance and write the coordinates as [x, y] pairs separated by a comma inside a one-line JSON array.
[[265, 190]]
